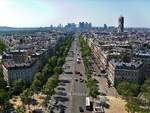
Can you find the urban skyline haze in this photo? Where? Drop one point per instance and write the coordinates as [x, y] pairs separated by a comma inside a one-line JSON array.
[[41, 13]]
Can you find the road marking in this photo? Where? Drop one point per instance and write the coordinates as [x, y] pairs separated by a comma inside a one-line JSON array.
[[65, 78], [76, 94]]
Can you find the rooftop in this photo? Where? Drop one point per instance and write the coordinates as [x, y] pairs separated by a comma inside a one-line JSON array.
[[133, 65], [10, 64]]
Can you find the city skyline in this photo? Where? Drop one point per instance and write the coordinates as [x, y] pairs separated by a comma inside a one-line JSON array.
[[42, 13]]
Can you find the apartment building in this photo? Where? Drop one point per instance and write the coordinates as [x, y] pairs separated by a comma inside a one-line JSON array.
[[118, 70]]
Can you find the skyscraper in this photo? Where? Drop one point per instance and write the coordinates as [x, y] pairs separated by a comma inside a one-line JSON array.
[[105, 26], [121, 24], [85, 25]]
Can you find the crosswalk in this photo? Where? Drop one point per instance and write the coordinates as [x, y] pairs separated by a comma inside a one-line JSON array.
[[76, 94]]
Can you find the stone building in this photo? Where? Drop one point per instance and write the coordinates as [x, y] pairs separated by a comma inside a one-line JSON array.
[[118, 71], [19, 66]]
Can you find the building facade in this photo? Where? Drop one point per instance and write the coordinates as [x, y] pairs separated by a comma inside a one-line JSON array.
[[121, 71], [23, 71]]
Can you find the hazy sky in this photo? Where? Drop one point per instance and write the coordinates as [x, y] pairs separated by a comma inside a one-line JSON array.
[[36, 13]]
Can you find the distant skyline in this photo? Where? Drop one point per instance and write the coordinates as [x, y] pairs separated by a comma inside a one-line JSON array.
[[43, 13]]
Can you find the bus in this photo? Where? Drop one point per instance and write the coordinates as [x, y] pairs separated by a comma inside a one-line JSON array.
[[88, 104]]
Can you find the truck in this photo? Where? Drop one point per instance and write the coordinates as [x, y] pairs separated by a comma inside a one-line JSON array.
[[78, 61]]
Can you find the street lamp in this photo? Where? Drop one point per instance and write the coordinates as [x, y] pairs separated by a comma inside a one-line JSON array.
[[8, 89], [7, 86]]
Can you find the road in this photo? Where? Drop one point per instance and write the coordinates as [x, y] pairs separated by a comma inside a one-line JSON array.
[[71, 92]]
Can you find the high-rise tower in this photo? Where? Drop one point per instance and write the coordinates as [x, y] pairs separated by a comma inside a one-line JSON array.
[[121, 24]]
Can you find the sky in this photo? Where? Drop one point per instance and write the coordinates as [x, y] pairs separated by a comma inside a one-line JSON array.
[[42, 13]]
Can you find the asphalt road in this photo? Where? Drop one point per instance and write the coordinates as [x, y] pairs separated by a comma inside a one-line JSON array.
[[79, 88], [71, 94]]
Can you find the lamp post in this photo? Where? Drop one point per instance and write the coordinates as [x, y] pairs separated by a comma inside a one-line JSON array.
[[8, 89]]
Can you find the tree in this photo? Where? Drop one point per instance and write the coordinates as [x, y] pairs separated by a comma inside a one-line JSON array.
[[3, 99], [93, 88], [146, 91], [26, 96], [132, 106], [94, 92], [36, 85], [53, 60], [50, 85], [146, 86], [21, 109], [50, 69], [91, 82], [88, 76], [39, 76], [45, 70], [1, 72], [3, 83], [2, 46], [58, 70], [60, 61], [17, 87], [127, 89]]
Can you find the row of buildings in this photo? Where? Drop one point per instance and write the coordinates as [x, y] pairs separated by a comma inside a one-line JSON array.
[[28, 52], [124, 56]]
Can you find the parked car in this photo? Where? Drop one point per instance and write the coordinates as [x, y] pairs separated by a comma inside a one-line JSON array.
[[77, 72], [81, 80], [68, 72], [81, 109], [76, 79]]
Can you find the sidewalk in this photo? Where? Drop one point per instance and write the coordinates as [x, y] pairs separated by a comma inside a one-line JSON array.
[[103, 86]]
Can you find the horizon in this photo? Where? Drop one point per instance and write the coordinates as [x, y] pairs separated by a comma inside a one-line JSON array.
[[43, 13]]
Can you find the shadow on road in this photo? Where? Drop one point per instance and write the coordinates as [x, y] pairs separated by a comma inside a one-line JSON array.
[[61, 88], [62, 84], [64, 81], [62, 99], [62, 93], [61, 107]]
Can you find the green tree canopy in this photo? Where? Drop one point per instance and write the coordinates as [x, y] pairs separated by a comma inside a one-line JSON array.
[[3, 83], [17, 87], [26, 96], [58, 70], [50, 85], [3, 97], [128, 89], [21, 109], [2, 46]]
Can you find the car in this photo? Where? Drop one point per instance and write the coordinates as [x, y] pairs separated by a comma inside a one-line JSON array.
[[80, 74], [61, 88], [76, 79], [79, 58], [77, 72], [81, 80], [68, 72], [67, 67], [81, 109]]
